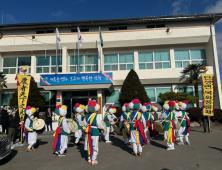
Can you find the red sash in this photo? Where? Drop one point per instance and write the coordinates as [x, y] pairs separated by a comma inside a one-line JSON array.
[[57, 132]]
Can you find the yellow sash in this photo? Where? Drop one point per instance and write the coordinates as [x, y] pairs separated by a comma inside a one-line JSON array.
[[169, 136], [60, 122], [137, 132]]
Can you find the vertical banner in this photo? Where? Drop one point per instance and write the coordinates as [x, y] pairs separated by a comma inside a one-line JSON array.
[[207, 81], [23, 83], [100, 103]]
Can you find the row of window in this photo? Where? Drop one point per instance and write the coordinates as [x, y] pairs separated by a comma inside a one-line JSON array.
[[112, 62], [110, 29], [153, 93]]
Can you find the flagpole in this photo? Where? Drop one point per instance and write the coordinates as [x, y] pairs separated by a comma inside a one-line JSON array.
[[78, 58], [56, 58], [100, 51], [78, 47]]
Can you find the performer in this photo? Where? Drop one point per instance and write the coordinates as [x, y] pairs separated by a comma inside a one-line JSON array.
[[148, 120], [112, 117], [57, 148], [169, 124], [78, 120], [178, 113], [125, 117], [107, 120], [82, 118], [138, 137], [32, 135], [62, 131], [184, 130], [92, 121]]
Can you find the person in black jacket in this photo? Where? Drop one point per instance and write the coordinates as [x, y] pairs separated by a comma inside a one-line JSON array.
[[48, 118], [17, 124], [11, 125], [37, 114], [5, 119]]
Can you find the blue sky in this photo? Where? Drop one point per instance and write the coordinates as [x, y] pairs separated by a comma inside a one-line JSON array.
[[26, 11]]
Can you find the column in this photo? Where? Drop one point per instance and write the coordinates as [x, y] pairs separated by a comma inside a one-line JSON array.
[[33, 63], [1, 60], [136, 60], [100, 101], [174, 88], [64, 60], [100, 58], [218, 100], [172, 60]]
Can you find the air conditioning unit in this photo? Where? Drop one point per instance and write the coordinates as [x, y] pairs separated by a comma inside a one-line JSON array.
[[24, 69]]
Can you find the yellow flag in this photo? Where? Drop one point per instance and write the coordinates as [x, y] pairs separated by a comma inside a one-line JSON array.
[[208, 94], [23, 93]]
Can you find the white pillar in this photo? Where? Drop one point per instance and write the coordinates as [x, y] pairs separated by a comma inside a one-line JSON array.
[[136, 60], [100, 102], [1, 62], [172, 59], [218, 105], [174, 88], [64, 60], [33, 63]]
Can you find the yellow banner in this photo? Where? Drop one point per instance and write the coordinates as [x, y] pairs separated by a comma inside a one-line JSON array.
[[208, 94], [23, 93]]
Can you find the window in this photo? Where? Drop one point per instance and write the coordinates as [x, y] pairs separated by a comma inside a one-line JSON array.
[[44, 31], [114, 62], [5, 98], [12, 65], [117, 28], [156, 26], [48, 64], [153, 93], [81, 30], [87, 63], [190, 91], [113, 97], [154, 60], [50, 98], [185, 57]]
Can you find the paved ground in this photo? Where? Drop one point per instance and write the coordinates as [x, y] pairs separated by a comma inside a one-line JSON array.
[[205, 152]]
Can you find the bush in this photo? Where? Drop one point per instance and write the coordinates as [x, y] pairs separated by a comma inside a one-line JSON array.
[[217, 116], [195, 114]]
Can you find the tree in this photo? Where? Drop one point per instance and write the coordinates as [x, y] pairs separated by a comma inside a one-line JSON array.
[[132, 88], [180, 96], [35, 98], [2, 81], [193, 71]]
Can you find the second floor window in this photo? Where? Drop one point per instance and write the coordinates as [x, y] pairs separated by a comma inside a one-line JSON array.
[[154, 60], [48, 64], [87, 63], [12, 65], [185, 57], [114, 62]]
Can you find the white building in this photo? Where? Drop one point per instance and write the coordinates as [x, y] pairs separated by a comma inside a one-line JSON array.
[[157, 48]]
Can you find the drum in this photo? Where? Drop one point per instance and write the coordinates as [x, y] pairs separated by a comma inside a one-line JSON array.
[[116, 129], [127, 127], [178, 125], [73, 127], [39, 126], [158, 126], [105, 128], [112, 123]]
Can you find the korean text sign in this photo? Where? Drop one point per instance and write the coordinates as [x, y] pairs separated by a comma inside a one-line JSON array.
[[70, 79], [208, 94], [23, 93]]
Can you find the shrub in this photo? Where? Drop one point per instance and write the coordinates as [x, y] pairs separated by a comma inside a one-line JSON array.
[[195, 114], [217, 116]]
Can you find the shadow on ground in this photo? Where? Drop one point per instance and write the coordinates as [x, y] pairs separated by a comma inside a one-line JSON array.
[[8, 158], [40, 142], [216, 148]]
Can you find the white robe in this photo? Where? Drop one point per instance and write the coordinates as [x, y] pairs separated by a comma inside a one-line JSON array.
[[64, 138], [108, 128], [32, 136], [78, 134], [95, 139]]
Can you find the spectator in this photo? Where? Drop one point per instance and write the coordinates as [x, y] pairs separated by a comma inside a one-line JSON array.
[[37, 114], [5, 119], [206, 124], [11, 124], [17, 124], [48, 118]]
